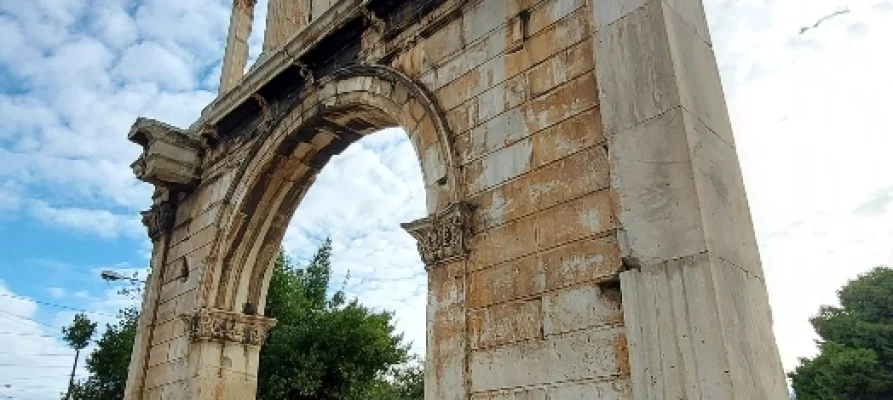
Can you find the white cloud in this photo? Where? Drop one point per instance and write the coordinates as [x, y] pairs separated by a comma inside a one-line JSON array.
[[807, 110], [97, 222], [30, 350], [56, 292], [149, 61]]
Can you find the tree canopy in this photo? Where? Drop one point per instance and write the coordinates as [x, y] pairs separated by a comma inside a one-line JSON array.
[[323, 346], [79, 333], [108, 364], [855, 360]]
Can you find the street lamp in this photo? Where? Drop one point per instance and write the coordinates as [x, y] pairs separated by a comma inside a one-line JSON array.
[[109, 275]]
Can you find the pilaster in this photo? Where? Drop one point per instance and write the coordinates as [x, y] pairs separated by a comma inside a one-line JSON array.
[[694, 301], [224, 353], [443, 241]]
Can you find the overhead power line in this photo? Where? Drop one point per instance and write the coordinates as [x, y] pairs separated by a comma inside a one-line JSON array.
[[60, 306], [9, 315], [29, 334]]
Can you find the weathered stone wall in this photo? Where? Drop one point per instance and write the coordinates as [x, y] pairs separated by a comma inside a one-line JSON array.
[[534, 311], [589, 234]]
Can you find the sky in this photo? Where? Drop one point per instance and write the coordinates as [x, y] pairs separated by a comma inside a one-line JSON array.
[[807, 84]]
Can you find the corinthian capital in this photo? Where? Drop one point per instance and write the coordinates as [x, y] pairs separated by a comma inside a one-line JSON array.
[[159, 219], [209, 324], [443, 237]]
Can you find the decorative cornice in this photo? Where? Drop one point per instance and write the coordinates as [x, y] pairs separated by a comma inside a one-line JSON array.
[[443, 237], [171, 156], [208, 324], [159, 219]]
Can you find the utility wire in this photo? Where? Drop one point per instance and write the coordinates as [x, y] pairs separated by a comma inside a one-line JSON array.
[[26, 319], [29, 378], [46, 303], [28, 334], [34, 366]]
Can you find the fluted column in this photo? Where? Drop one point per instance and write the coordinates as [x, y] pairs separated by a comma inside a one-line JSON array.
[[236, 56], [284, 19]]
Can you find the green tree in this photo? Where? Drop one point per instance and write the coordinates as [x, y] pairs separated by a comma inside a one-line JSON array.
[[323, 347], [78, 336], [855, 360], [108, 364], [405, 382]]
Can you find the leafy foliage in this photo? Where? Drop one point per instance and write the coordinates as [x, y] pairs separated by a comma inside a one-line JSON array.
[[406, 382], [323, 347], [79, 333], [856, 347], [108, 364]]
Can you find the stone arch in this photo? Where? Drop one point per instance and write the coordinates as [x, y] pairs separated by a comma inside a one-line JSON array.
[[282, 164]]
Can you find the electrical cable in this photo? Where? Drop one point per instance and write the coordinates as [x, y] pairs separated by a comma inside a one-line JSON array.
[[46, 303]]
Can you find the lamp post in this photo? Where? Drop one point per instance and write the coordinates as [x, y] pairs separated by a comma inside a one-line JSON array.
[[109, 275]]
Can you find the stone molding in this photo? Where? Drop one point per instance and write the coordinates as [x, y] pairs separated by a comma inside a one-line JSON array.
[[171, 156], [159, 219], [209, 324], [443, 237]]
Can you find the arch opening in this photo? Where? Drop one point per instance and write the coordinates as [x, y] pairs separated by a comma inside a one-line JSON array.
[[341, 110]]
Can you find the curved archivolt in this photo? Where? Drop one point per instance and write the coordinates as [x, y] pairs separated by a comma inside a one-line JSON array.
[[282, 165]]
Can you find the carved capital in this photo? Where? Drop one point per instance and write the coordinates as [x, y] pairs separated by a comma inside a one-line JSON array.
[[209, 324], [374, 21], [247, 5], [443, 237], [159, 219], [171, 156]]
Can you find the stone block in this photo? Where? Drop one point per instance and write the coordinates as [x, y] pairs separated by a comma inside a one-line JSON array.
[[541, 45], [505, 323], [483, 18], [728, 225], [570, 136], [606, 12], [503, 243], [568, 178], [593, 259], [497, 133], [512, 394], [583, 217], [635, 67], [517, 279], [574, 356], [580, 307], [549, 12], [443, 43], [561, 68], [676, 341], [504, 203], [564, 102], [500, 166], [697, 75], [654, 182], [463, 117], [616, 389], [692, 12]]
